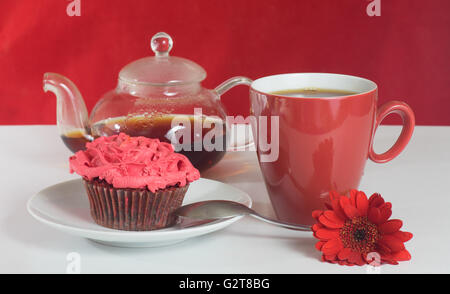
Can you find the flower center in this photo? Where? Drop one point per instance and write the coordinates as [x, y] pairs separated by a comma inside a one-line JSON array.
[[360, 235]]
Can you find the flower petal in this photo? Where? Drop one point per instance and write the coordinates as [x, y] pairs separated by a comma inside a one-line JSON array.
[[351, 211], [332, 216], [382, 249], [391, 226], [376, 200], [362, 204], [402, 255], [343, 201], [348, 208], [332, 247], [319, 245], [325, 234], [316, 214], [316, 227], [344, 253], [338, 209], [374, 215], [388, 258], [385, 212], [393, 243], [331, 257], [402, 236], [328, 223], [355, 258]]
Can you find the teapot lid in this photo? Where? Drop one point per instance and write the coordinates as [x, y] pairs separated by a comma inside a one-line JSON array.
[[162, 69]]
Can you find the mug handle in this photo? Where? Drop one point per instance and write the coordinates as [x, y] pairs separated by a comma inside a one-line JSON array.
[[407, 115]]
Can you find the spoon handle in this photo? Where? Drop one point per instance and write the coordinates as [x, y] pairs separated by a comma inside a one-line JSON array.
[[282, 224]]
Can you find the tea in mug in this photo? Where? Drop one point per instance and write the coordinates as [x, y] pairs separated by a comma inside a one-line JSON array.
[[313, 93]]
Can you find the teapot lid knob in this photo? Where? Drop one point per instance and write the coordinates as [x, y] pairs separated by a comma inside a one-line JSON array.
[[162, 69], [161, 44]]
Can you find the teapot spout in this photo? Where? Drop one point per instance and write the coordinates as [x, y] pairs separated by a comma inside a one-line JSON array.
[[71, 112]]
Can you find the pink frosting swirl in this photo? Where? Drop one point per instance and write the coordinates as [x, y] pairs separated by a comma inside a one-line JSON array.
[[133, 162]]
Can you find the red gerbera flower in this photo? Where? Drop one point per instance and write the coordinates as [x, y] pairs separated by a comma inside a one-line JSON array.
[[354, 226]]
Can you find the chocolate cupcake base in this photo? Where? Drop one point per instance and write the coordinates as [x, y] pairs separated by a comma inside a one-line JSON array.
[[133, 209]]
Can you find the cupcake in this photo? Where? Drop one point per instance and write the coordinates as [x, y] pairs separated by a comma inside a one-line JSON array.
[[133, 183]]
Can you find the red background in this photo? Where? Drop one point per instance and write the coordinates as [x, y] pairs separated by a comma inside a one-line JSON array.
[[406, 50]]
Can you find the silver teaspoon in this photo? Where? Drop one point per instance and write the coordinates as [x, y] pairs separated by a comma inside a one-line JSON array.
[[220, 209]]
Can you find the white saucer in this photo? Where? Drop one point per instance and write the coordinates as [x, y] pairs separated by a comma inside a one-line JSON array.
[[65, 206]]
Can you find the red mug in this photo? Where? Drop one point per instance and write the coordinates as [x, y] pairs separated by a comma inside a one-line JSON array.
[[323, 143]]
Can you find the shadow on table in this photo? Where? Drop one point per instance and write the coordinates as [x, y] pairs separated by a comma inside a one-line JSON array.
[[300, 244], [187, 244]]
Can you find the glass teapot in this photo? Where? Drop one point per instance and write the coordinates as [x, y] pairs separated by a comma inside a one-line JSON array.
[[158, 97]]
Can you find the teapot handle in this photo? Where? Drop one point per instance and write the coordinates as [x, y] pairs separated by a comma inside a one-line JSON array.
[[230, 83], [237, 142]]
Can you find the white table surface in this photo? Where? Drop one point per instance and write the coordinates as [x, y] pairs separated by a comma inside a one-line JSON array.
[[416, 182]]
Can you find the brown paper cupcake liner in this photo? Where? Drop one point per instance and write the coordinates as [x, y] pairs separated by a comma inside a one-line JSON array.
[[133, 209]]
